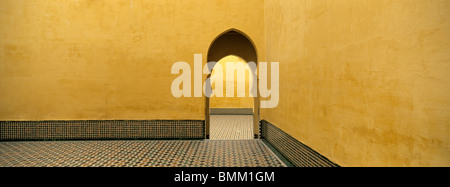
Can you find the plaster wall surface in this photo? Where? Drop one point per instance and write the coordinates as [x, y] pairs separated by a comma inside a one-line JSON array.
[[365, 83], [102, 59], [236, 101]]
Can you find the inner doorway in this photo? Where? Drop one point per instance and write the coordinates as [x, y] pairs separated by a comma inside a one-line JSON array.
[[231, 113], [242, 112]]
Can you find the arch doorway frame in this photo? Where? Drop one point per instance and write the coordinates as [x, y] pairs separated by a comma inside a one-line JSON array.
[[256, 100]]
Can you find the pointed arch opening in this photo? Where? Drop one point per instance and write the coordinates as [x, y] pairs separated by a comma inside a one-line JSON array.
[[234, 43]]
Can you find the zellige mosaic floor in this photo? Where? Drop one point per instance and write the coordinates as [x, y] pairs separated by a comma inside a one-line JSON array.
[[138, 153], [231, 127]]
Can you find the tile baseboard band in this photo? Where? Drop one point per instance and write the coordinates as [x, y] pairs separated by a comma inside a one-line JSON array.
[[231, 111], [299, 154], [101, 129]]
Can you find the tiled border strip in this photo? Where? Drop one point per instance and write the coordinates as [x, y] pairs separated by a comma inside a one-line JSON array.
[[101, 129], [299, 154], [231, 111]]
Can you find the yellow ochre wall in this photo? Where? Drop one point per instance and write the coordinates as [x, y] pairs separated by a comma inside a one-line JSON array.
[[232, 102], [365, 83], [110, 59]]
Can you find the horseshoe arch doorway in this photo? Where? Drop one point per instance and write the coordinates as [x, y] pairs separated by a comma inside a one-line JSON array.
[[236, 43]]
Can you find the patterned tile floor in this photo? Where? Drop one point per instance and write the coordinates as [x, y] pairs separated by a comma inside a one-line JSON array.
[[139, 153], [231, 127]]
